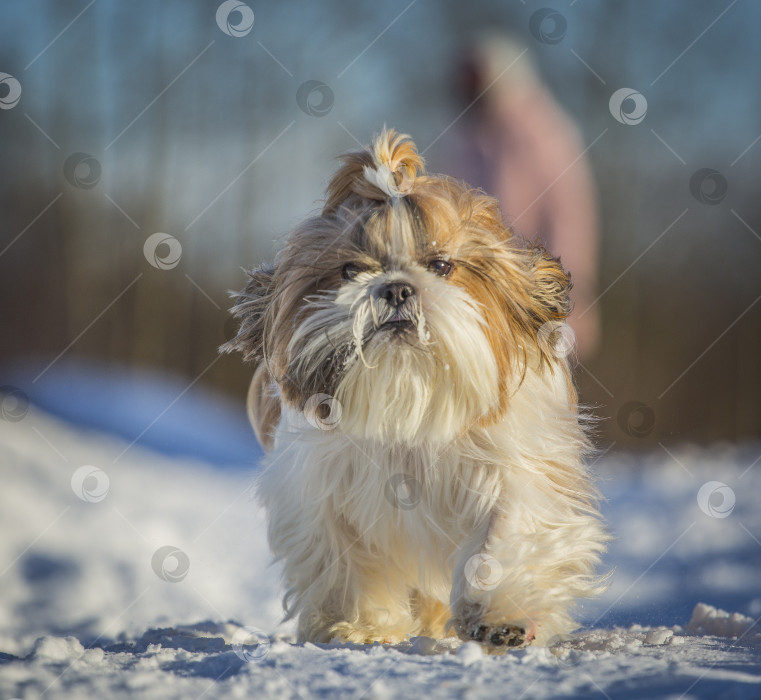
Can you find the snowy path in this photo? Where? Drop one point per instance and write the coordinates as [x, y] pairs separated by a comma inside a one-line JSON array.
[[107, 575], [201, 661]]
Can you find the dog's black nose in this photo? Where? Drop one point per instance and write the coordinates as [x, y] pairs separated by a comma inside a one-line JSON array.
[[396, 293]]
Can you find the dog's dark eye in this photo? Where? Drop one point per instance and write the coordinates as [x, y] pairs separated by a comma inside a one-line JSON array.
[[443, 268], [350, 271]]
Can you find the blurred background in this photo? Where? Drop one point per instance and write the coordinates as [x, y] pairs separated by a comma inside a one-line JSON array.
[[151, 150]]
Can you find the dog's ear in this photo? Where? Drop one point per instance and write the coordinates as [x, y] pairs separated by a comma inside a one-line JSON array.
[[254, 308], [550, 294], [263, 405]]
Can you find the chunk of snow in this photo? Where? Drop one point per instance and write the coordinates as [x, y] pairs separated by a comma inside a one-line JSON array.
[[658, 636], [58, 649], [426, 646], [469, 653], [718, 623]]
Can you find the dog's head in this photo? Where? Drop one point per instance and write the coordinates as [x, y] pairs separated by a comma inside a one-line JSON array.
[[407, 300]]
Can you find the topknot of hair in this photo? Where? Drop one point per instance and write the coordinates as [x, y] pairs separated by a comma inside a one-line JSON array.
[[386, 170]]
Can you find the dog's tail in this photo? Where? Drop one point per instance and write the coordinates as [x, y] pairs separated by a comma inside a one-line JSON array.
[[385, 170]]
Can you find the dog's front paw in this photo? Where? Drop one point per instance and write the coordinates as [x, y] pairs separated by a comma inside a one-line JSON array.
[[470, 625], [498, 637]]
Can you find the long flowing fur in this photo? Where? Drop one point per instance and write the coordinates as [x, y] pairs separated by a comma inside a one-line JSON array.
[[426, 466]]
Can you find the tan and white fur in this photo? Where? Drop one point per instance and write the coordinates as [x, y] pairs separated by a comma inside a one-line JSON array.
[[425, 470]]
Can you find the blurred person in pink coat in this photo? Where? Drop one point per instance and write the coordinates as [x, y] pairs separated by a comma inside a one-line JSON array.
[[515, 142]]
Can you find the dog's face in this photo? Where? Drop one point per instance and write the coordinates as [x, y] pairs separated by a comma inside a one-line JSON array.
[[407, 300]]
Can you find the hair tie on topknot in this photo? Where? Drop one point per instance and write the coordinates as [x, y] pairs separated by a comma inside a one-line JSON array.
[[387, 169], [396, 163]]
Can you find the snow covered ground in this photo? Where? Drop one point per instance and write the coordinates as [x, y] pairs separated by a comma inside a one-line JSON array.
[[129, 574]]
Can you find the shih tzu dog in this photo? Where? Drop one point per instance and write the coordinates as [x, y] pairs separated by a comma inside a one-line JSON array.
[[424, 473]]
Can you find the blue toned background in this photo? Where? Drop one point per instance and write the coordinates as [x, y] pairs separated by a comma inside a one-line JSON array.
[[151, 150], [199, 134]]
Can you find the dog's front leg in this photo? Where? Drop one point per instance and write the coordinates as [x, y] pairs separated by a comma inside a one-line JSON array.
[[515, 578], [339, 584], [486, 605], [361, 600]]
